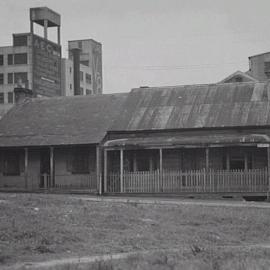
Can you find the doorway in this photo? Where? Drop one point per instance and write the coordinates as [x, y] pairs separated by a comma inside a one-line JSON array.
[[45, 169]]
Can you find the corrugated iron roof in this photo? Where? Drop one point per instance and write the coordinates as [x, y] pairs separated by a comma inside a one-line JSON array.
[[196, 106], [60, 120]]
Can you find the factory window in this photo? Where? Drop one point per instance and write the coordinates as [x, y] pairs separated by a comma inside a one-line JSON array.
[[11, 163], [88, 78], [10, 78], [10, 59], [81, 76], [88, 92], [1, 59], [10, 97], [20, 58], [20, 77], [20, 40], [1, 78], [85, 63], [1, 98]]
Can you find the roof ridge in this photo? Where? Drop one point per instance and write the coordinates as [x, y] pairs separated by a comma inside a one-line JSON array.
[[191, 85]]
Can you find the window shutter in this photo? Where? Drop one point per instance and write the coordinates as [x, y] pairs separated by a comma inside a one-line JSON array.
[[69, 160], [22, 169], [1, 162]]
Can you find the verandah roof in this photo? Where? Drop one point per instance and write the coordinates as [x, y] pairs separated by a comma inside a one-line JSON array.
[[186, 140]]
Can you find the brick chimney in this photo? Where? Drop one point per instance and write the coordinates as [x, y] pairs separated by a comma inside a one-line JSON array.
[[22, 94]]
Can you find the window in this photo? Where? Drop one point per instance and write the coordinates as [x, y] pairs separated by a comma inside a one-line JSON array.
[[238, 161], [1, 59], [19, 40], [81, 76], [20, 77], [81, 91], [88, 92], [20, 58], [70, 86], [238, 79], [85, 63], [88, 78], [10, 97], [80, 161], [11, 163], [10, 59], [1, 78], [80, 44], [10, 78], [70, 70], [1, 98], [267, 69]]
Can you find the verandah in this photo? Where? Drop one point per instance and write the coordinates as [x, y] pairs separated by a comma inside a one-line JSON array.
[[235, 169]]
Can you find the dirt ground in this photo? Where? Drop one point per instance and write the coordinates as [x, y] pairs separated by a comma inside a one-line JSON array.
[[39, 227]]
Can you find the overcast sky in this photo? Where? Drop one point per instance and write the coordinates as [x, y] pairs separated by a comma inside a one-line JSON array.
[[156, 42]]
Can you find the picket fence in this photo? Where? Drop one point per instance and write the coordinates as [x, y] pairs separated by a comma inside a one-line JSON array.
[[253, 180]]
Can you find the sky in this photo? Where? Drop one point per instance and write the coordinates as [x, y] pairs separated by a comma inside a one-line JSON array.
[[156, 42]]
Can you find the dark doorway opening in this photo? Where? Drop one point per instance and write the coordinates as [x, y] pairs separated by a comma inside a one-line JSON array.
[[44, 168]]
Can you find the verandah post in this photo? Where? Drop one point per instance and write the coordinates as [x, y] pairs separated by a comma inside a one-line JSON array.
[[105, 170], [121, 170], [207, 175], [51, 167], [161, 168], [268, 172], [98, 170], [26, 167]]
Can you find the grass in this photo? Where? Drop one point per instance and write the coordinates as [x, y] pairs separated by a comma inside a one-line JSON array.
[[38, 227]]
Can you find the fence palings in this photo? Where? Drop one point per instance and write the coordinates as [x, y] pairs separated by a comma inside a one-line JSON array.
[[192, 181]]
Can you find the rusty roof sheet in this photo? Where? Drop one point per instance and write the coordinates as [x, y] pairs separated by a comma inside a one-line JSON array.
[[196, 106], [60, 120]]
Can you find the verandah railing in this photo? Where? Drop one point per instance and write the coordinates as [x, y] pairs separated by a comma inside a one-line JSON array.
[[255, 180], [73, 181]]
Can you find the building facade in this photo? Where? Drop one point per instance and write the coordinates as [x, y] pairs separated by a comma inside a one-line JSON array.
[[187, 140], [259, 70], [32, 61], [82, 71], [35, 62]]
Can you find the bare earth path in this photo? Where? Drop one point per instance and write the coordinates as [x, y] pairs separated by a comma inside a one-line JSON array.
[[94, 261], [176, 201]]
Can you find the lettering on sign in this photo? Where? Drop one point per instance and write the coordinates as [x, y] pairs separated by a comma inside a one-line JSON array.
[[45, 46]]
